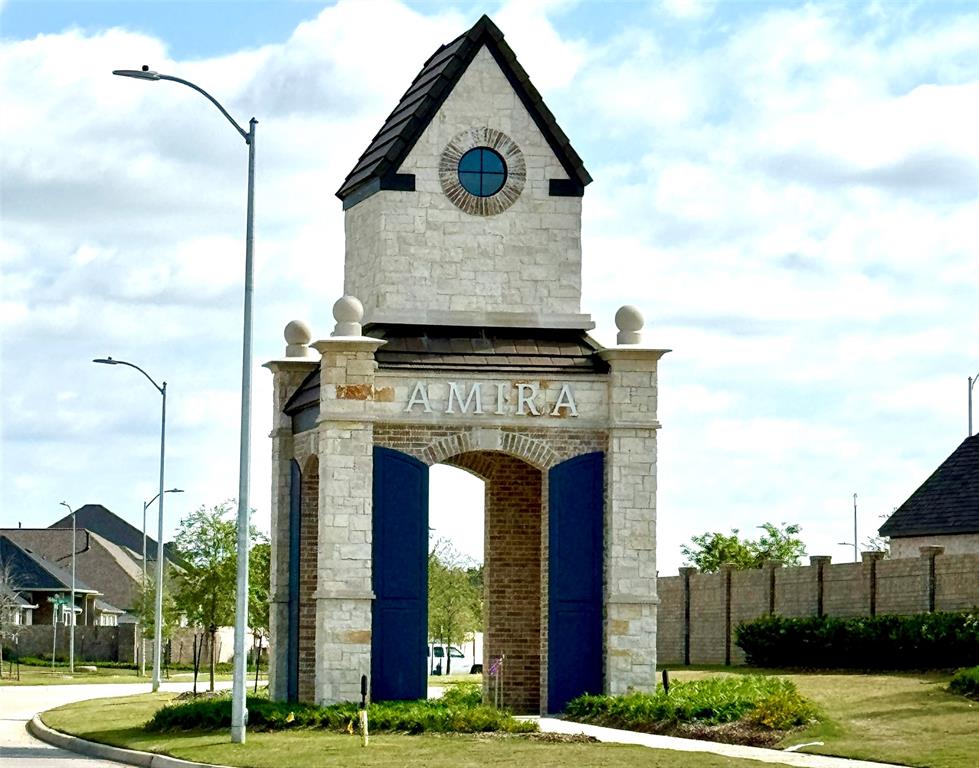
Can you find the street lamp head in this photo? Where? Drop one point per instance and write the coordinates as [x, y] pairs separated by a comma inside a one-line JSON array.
[[174, 490], [67, 506], [105, 361], [140, 74]]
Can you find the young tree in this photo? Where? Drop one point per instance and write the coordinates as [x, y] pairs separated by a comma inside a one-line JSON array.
[[454, 596], [711, 550], [144, 606], [259, 562], [8, 606], [205, 594]]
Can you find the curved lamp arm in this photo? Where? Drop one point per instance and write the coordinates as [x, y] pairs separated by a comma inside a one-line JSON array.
[[110, 361], [146, 74]]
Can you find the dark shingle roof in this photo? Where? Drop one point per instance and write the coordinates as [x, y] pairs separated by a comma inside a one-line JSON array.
[[29, 572], [521, 350], [109, 525], [947, 502], [377, 167]]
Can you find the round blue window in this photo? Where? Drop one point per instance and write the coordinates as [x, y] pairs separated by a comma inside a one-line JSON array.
[[482, 172]]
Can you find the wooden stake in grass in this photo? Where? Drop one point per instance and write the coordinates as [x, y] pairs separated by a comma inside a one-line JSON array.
[[362, 714]]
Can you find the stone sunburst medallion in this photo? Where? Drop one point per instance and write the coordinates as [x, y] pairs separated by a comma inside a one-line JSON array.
[[482, 171]]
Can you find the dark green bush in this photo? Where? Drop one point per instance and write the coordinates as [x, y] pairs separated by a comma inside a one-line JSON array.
[[769, 701], [457, 712], [922, 641], [966, 682]]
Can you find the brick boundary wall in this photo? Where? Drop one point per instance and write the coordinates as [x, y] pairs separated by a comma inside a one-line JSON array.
[[699, 612], [92, 643]]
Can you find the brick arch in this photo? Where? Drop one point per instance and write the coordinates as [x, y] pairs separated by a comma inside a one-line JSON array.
[[532, 450]]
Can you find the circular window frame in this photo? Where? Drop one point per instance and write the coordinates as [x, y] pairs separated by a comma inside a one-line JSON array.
[[482, 172], [513, 161]]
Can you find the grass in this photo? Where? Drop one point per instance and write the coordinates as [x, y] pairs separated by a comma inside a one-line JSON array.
[[37, 675], [119, 722], [907, 718]]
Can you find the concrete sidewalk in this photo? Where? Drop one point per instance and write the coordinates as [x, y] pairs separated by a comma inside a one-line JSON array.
[[614, 736]]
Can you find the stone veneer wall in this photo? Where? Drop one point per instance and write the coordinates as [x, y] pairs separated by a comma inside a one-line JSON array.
[[416, 251], [902, 586]]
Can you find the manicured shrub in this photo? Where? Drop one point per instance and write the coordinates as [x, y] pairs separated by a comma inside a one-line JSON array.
[[966, 682], [460, 711], [767, 701], [922, 641]]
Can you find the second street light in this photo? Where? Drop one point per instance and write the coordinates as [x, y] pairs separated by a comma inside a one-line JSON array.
[[159, 552], [238, 713], [71, 612], [158, 628]]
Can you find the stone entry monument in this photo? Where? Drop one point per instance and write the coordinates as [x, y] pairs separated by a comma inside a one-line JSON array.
[[460, 340]]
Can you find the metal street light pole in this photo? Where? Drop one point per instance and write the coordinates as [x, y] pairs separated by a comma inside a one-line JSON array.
[[158, 629], [972, 383], [159, 549], [856, 555], [71, 632], [238, 713]]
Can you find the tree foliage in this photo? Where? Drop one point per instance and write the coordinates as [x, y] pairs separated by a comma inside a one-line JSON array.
[[207, 543], [709, 551], [455, 596]]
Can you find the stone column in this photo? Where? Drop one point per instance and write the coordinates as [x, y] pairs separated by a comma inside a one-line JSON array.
[[770, 566], [928, 554], [287, 374], [685, 573], [630, 521], [819, 563], [344, 592], [870, 560]]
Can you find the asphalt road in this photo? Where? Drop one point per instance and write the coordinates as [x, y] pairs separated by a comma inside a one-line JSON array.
[[18, 704]]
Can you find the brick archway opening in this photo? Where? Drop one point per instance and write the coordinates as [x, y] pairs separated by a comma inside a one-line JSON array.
[[515, 577]]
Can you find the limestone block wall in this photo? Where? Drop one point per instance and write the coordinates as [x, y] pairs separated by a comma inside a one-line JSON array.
[[416, 252], [959, 544], [932, 581]]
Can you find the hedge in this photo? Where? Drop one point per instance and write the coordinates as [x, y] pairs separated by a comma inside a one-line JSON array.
[[921, 641]]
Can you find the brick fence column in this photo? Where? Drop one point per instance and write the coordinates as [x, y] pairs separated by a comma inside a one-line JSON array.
[[819, 563], [685, 573], [726, 572], [928, 554], [870, 560], [770, 566]]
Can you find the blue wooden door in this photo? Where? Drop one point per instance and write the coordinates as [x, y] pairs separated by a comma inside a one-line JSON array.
[[399, 635], [295, 550], [576, 508]]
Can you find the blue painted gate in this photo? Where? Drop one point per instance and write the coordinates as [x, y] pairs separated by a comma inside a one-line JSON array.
[[399, 634], [576, 508]]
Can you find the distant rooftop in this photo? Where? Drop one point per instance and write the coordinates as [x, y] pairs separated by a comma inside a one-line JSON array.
[[946, 503]]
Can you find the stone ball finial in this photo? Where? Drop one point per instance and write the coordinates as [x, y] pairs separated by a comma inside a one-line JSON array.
[[297, 336], [348, 312], [629, 321]]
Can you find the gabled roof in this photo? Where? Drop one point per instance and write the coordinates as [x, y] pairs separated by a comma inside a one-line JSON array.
[[109, 525], [946, 503], [29, 572], [378, 167]]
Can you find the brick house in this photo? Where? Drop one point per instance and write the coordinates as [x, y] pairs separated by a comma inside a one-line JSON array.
[[460, 340], [944, 511]]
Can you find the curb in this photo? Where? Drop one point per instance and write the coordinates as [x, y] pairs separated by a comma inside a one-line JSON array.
[[37, 729]]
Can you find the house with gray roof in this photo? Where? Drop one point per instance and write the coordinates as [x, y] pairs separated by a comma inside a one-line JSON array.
[[944, 511]]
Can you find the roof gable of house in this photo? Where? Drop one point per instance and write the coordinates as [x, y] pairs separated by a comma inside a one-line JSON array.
[[946, 503], [29, 572], [378, 165]]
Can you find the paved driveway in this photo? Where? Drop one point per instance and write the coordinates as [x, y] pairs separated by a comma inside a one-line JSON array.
[[18, 704]]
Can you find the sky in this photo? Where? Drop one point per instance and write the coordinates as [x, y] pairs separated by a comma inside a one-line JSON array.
[[788, 191]]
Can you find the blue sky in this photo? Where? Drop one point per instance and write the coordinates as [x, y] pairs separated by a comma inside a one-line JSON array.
[[787, 190]]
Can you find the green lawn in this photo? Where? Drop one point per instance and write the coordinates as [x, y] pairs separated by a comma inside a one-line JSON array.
[[117, 721], [902, 718]]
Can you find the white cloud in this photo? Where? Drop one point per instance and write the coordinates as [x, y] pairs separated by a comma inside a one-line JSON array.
[[789, 195]]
